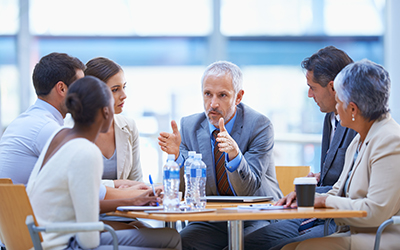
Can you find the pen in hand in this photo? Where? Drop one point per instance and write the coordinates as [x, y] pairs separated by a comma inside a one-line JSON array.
[[152, 186]]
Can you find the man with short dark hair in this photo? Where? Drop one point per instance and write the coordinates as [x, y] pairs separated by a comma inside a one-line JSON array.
[[322, 68], [25, 137]]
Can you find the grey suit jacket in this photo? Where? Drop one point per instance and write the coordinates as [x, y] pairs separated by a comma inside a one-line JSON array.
[[332, 154], [253, 132]]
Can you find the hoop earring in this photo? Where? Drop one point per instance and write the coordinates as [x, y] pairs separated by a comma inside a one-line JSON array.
[[353, 119]]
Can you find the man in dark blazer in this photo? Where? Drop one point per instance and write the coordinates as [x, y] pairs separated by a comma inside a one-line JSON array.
[[321, 69], [244, 136], [332, 153]]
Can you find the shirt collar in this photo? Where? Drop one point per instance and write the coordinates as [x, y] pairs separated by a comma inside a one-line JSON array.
[[47, 106], [228, 126]]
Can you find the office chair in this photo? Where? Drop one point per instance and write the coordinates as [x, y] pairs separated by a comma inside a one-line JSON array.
[[18, 226], [395, 220]]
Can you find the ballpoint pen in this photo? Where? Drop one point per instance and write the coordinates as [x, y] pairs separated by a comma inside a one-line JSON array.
[[152, 186]]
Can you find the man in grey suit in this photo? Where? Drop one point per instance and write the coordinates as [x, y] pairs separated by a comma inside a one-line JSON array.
[[322, 68], [237, 146]]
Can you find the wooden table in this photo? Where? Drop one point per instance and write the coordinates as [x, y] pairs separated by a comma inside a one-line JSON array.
[[236, 217]]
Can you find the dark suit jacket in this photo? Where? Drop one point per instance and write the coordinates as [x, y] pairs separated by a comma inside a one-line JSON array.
[[332, 160], [253, 132]]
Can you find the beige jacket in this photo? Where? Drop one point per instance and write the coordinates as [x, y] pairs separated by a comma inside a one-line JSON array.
[[128, 153], [374, 186]]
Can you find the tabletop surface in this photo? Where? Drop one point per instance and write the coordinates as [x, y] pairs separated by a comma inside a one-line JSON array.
[[221, 214]]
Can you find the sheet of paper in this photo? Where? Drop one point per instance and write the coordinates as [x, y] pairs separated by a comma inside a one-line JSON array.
[[181, 212], [261, 207], [135, 208]]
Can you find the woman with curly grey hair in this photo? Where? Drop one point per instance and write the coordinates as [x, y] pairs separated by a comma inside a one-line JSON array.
[[369, 180]]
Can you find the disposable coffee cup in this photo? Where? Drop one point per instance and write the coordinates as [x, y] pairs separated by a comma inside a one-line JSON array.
[[305, 191]]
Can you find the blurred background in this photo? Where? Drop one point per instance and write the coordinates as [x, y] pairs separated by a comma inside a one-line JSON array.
[[164, 47]]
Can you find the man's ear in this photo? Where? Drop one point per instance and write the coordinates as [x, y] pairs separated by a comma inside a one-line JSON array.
[[239, 97], [331, 86], [61, 88]]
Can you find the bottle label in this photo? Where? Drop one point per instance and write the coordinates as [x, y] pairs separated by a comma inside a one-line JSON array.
[[204, 172], [193, 173], [166, 174], [174, 174]]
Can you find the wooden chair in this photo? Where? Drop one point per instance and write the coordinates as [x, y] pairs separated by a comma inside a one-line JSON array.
[[5, 181], [16, 216], [286, 174]]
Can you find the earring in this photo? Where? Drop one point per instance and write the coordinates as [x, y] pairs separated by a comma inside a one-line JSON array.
[[353, 119]]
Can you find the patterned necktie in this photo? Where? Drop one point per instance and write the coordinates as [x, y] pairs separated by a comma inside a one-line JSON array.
[[222, 180]]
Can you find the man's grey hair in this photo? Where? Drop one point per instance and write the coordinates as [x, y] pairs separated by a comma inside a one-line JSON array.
[[222, 68], [366, 84]]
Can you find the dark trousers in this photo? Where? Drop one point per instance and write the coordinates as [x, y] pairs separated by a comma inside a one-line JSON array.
[[277, 235], [212, 235]]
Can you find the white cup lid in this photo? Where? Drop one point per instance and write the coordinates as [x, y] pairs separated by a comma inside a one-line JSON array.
[[305, 181]]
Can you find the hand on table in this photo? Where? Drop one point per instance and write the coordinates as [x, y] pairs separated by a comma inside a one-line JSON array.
[[147, 198], [170, 142], [320, 200], [225, 142], [316, 175], [288, 201]]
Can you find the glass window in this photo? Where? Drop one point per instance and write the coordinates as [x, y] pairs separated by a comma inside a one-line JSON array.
[[9, 15], [9, 91], [356, 17], [121, 18], [258, 17], [302, 17]]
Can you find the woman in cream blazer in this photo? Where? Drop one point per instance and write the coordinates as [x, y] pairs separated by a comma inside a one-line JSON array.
[[371, 174], [120, 145]]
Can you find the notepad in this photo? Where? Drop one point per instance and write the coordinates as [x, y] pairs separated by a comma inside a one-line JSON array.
[[239, 198]]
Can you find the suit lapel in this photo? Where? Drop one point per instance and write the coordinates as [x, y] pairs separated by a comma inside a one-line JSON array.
[[356, 163], [336, 141], [325, 140], [122, 138], [238, 126], [371, 133]]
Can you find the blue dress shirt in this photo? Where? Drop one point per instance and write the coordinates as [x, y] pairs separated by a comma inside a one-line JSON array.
[[24, 139], [230, 165]]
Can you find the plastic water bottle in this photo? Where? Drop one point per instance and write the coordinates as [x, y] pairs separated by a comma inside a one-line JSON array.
[[198, 177], [171, 184], [187, 165], [202, 184], [195, 173]]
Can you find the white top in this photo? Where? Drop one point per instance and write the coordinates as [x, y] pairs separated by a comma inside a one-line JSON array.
[[24, 139], [66, 189]]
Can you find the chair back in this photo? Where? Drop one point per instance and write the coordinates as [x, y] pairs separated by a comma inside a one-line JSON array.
[[14, 208], [5, 181], [286, 175]]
